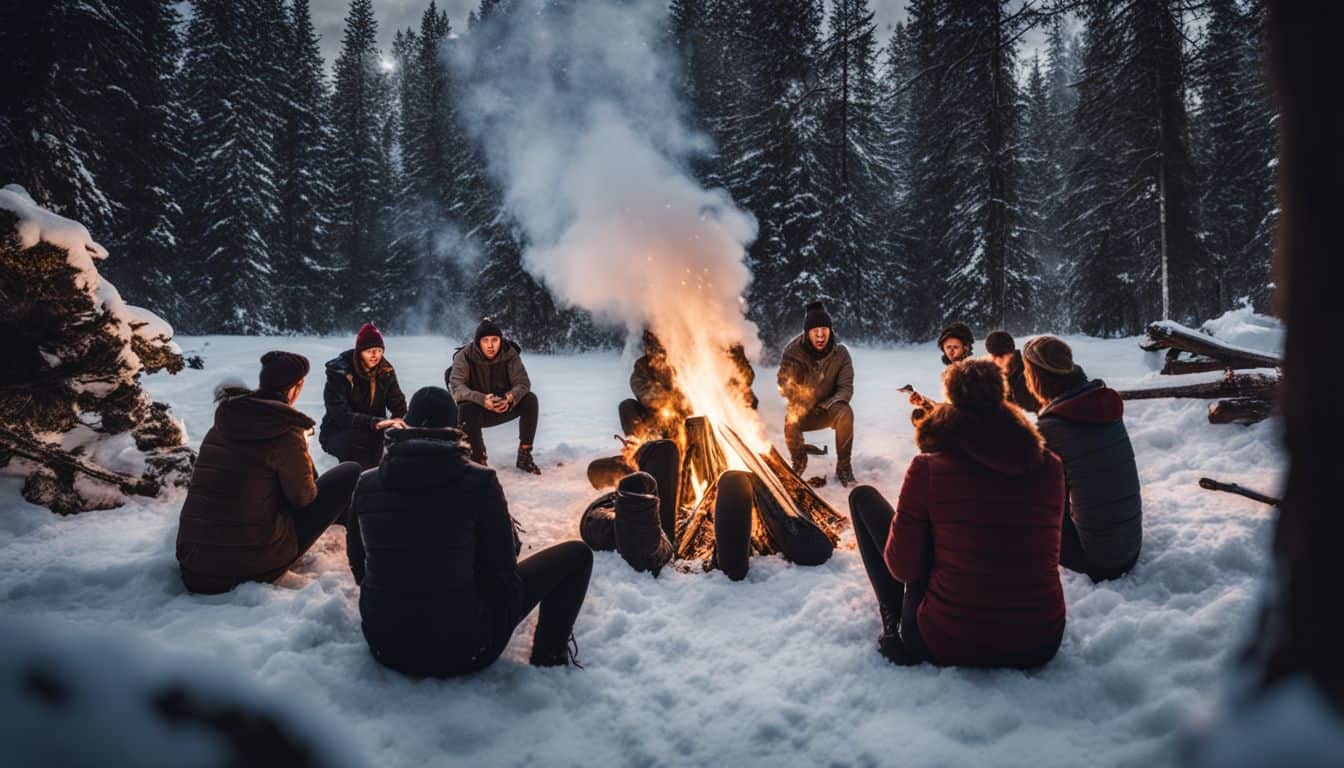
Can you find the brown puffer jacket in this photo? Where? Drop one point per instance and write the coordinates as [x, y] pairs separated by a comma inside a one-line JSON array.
[[253, 470]]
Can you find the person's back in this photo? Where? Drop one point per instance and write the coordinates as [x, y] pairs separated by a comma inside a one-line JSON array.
[[990, 499], [1086, 428], [253, 466], [435, 556]]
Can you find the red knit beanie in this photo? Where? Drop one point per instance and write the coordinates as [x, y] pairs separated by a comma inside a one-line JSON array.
[[368, 337]]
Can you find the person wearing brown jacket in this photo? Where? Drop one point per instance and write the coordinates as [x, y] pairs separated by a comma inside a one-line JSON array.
[[816, 378], [491, 387], [255, 503]]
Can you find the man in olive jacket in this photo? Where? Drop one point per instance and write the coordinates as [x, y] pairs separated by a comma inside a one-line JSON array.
[[491, 387], [255, 504], [816, 377]]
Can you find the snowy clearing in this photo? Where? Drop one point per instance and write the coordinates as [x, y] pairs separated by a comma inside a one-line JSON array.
[[690, 669]]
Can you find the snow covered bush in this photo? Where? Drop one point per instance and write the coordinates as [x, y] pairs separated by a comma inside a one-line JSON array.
[[77, 424]]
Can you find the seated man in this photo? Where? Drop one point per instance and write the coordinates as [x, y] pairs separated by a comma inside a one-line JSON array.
[[1083, 422], [255, 503], [955, 342], [491, 387], [1003, 350], [361, 393], [658, 408], [434, 550], [816, 378]]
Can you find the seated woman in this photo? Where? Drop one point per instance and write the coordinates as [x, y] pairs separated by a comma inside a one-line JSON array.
[[1083, 422], [360, 394], [966, 568], [434, 551]]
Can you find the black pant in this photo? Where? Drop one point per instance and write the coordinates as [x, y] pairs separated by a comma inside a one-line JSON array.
[[476, 417], [360, 445], [557, 579], [872, 516], [1075, 558], [332, 505], [839, 415]]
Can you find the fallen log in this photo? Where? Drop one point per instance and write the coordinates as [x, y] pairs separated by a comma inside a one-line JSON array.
[[1240, 410], [1169, 335], [1254, 385], [1179, 363], [1213, 485], [60, 461]]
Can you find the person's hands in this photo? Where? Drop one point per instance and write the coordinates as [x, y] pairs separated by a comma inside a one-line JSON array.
[[496, 404], [390, 424], [918, 400]]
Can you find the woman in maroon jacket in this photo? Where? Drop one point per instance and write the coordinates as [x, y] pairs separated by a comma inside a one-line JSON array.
[[967, 565]]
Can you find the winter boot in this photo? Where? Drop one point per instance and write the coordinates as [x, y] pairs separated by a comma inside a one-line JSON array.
[[639, 531], [889, 642], [799, 460], [564, 656], [525, 461], [844, 473]]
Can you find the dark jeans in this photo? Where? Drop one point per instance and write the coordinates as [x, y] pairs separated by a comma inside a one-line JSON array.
[[332, 505], [360, 445], [872, 517], [840, 416], [476, 417], [1075, 558], [557, 579]]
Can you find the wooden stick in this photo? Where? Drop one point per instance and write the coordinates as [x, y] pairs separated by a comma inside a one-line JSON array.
[[1214, 485]]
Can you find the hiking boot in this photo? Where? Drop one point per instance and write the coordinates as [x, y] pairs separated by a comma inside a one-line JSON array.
[[525, 461], [565, 656], [889, 642], [845, 474], [799, 463]]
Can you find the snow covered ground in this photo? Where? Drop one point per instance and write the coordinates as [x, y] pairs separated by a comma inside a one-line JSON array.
[[690, 669]]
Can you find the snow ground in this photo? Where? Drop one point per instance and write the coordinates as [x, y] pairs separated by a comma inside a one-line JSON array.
[[689, 668]]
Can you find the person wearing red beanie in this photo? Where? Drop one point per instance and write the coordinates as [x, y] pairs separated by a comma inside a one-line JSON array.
[[363, 398]]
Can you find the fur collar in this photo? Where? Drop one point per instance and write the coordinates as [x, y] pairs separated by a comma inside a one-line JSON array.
[[1001, 440]]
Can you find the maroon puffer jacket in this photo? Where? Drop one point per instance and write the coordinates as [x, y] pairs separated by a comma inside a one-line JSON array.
[[978, 519]]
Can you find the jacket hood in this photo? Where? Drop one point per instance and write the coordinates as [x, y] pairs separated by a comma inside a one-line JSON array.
[[800, 349], [1001, 440], [1092, 403], [508, 350], [344, 365], [247, 415], [424, 458]]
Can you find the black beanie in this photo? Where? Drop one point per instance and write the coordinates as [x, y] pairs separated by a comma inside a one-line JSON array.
[[999, 343], [815, 316], [958, 331], [487, 328], [432, 408], [282, 370]]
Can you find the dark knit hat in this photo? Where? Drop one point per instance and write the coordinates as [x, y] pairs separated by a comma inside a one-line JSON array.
[[282, 370], [999, 343], [487, 327], [369, 337], [432, 408], [958, 331], [815, 316], [1049, 353], [975, 385]]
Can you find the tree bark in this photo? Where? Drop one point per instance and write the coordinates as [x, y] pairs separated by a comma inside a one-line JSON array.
[[1253, 385]]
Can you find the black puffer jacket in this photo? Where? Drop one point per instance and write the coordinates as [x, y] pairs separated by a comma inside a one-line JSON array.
[[1086, 428], [1018, 392], [356, 399], [435, 554]]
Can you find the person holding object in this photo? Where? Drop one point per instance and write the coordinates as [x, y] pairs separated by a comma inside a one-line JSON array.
[[360, 395], [491, 387], [966, 567], [255, 503], [955, 342], [435, 554], [1083, 422], [816, 379], [1003, 350]]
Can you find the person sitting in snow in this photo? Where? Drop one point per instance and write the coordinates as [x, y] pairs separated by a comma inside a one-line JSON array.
[[491, 387], [1003, 350], [360, 395], [255, 503], [434, 551], [966, 568], [816, 378], [955, 342], [659, 408], [1083, 422]]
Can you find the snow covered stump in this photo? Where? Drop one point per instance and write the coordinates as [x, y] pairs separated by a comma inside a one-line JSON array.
[[77, 424]]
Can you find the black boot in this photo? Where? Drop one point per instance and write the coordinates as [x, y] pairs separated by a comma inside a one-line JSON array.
[[525, 461], [844, 473], [639, 530], [889, 642], [564, 656]]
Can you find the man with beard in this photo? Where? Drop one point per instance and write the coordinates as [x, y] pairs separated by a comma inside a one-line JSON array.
[[816, 378]]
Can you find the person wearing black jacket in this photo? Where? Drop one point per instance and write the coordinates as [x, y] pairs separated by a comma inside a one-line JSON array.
[[434, 551], [1001, 347], [360, 394]]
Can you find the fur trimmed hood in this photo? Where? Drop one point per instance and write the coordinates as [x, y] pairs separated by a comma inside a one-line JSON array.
[[1000, 439]]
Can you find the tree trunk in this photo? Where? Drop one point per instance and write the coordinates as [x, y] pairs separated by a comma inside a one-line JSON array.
[[1240, 410], [1174, 336], [1253, 385]]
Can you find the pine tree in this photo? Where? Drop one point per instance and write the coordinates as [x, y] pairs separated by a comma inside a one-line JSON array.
[[890, 280], [1039, 188], [361, 170]]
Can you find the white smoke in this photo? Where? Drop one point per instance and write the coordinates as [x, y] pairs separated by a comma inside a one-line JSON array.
[[582, 126]]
